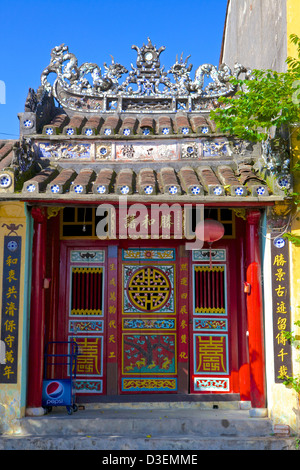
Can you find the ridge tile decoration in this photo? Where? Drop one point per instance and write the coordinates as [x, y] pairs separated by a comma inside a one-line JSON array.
[[152, 151], [146, 87], [65, 151], [134, 151]]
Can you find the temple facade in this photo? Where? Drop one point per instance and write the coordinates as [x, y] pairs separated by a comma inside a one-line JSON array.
[[131, 227]]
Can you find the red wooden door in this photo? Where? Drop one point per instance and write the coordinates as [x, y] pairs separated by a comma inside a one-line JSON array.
[[213, 336], [148, 323], [82, 312]]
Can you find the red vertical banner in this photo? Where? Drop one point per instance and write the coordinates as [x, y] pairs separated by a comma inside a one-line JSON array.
[[183, 306], [111, 317]]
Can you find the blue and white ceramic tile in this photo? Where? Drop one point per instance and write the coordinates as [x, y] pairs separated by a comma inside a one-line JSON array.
[[148, 189], [173, 189], [78, 188], [260, 191], [5, 181], [101, 189], [31, 188], [125, 189], [239, 191], [195, 190], [55, 188]]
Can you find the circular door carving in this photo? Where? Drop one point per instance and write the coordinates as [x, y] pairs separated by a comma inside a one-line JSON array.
[[149, 288]]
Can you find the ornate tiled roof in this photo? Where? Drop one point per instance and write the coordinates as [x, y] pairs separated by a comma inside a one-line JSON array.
[[91, 136]]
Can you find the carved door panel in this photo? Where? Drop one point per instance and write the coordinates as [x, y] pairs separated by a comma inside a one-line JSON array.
[[82, 314], [148, 326], [211, 324]]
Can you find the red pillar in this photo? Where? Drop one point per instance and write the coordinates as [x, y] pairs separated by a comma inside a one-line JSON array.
[[244, 367], [37, 310], [255, 312]]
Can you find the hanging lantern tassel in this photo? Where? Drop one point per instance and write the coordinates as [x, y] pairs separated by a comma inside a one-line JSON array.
[[210, 231], [210, 261]]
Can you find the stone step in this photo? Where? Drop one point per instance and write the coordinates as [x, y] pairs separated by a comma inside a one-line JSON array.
[[149, 427], [180, 404], [153, 445], [181, 422]]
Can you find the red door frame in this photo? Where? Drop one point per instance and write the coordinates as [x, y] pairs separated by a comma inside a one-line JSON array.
[[248, 255], [231, 286], [62, 331], [238, 367]]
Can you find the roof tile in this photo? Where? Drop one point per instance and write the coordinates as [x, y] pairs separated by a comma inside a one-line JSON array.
[[104, 181], [210, 181], [83, 181], [111, 125], [190, 182], [124, 182], [168, 181], [62, 181], [40, 181], [146, 181]]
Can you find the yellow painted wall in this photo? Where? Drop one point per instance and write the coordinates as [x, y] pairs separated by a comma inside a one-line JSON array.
[[10, 394], [293, 24]]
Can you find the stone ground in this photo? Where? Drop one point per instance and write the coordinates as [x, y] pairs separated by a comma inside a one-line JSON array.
[[146, 428]]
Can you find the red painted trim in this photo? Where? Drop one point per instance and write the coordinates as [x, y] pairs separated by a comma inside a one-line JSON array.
[[255, 313], [53, 257], [37, 313], [232, 307], [63, 294], [244, 368], [183, 306], [113, 301]]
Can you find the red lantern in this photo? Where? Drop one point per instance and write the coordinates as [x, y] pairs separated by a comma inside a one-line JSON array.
[[209, 231]]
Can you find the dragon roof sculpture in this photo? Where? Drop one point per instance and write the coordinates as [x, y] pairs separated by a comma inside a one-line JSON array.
[[146, 87]]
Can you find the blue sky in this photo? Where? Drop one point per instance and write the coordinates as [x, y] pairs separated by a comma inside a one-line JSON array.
[[95, 29]]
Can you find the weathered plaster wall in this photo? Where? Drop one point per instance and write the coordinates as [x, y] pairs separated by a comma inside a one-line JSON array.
[[12, 399], [256, 34]]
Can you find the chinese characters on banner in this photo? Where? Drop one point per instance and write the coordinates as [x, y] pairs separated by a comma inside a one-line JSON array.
[[112, 302], [281, 308], [183, 299], [10, 307]]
